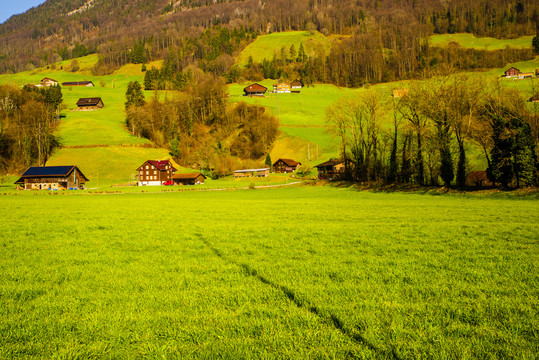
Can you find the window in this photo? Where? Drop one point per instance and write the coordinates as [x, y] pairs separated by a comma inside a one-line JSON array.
[[155, 172]]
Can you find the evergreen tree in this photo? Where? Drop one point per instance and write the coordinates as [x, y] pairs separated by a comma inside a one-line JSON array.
[[134, 95], [268, 162], [535, 44], [151, 79], [292, 52], [301, 54]]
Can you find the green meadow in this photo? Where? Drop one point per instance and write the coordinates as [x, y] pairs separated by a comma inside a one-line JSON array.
[[481, 43], [309, 272]]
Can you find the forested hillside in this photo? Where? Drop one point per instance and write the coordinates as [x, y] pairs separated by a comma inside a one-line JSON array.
[[388, 38]]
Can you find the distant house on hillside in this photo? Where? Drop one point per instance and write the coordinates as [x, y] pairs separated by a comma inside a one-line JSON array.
[[252, 172], [281, 88], [285, 166], [534, 98], [331, 169], [296, 84], [52, 178], [255, 90], [78, 83], [478, 178], [188, 179], [537, 72], [512, 72], [48, 82], [527, 75], [155, 172], [90, 103]]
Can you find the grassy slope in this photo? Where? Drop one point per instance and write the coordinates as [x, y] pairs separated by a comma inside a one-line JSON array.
[[483, 43], [416, 276]]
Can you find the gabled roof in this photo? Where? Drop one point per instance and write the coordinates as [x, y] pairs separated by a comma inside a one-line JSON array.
[[296, 82], [288, 162], [187, 176], [48, 79], [76, 83], [35, 171], [89, 101], [512, 68], [159, 164], [331, 162], [255, 88]]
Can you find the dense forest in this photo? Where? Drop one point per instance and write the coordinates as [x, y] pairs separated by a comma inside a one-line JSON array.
[[385, 40]]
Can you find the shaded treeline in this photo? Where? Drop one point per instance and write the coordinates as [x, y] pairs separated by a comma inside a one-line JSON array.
[[28, 118], [435, 124], [119, 29], [199, 126]]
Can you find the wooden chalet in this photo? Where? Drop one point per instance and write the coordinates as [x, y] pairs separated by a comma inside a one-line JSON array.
[[512, 72], [52, 178], [331, 169], [478, 179], [281, 88], [255, 90], [296, 84], [155, 173], [48, 82], [285, 166], [252, 173], [90, 103], [78, 83], [188, 179]]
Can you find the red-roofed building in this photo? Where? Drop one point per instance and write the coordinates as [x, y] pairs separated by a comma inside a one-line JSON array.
[[188, 179], [285, 166], [255, 90], [155, 172]]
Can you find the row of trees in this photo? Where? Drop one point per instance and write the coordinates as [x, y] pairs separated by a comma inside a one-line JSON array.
[[435, 124], [199, 126], [28, 119]]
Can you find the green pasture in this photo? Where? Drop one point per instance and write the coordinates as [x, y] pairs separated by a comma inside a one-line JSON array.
[[310, 272], [481, 43], [264, 47]]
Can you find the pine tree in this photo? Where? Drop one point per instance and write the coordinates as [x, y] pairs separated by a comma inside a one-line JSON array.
[[134, 95], [268, 162]]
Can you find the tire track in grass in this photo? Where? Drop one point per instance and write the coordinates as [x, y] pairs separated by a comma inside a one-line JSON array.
[[325, 317]]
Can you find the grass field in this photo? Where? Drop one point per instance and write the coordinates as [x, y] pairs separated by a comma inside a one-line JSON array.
[[314, 272], [482, 43]]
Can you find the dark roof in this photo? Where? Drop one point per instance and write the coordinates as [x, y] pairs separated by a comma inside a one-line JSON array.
[[331, 162], [48, 79], [187, 176], [296, 82], [35, 171], [159, 164], [534, 97], [512, 68], [255, 88], [88, 101], [76, 83], [288, 162]]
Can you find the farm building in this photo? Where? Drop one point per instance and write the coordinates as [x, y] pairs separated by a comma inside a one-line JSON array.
[[281, 88], [285, 166], [78, 83], [90, 103], [155, 172], [252, 172], [48, 82], [527, 75], [331, 169], [537, 72], [255, 90], [296, 84], [188, 179], [512, 72], [52, 178]]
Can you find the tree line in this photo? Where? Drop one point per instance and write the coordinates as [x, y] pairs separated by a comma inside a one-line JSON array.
[[435, 124], [199, 126], [28, 118]]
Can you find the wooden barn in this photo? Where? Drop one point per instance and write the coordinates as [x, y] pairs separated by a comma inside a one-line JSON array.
[[252, 173], [331, 169], [48, 82], [52, 178], [188, 179], [478, 179], [296, 84], [78, 83], [255, 90], [155, 173], [90, 103], [285, 166], [512, 72], [281, 88]]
